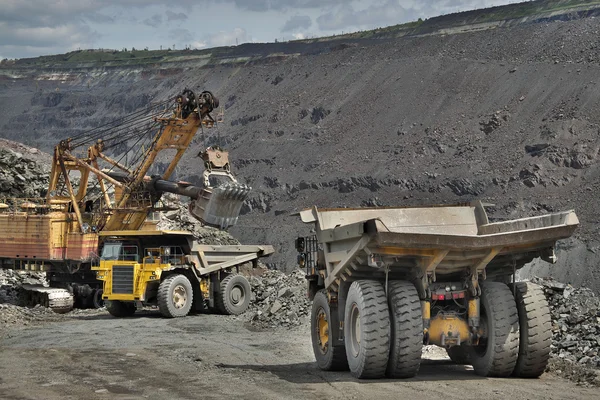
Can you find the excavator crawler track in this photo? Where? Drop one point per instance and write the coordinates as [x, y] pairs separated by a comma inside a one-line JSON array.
[[59, 300]]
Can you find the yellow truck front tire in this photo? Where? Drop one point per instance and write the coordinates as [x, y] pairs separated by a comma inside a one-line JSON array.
[[120, 309]]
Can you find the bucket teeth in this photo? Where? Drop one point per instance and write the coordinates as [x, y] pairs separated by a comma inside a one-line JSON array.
[[220, 207]]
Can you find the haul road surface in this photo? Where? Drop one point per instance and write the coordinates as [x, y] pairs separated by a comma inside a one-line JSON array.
[[91, 355]]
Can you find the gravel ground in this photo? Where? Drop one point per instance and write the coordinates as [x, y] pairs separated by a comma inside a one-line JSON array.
[[94, 356]]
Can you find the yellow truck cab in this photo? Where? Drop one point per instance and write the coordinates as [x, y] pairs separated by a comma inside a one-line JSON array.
[[173, 271]]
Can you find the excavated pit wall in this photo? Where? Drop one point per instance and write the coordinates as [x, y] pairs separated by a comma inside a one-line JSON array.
[[507, 116]]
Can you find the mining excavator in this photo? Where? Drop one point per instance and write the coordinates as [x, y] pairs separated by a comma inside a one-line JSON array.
[[95, 234]]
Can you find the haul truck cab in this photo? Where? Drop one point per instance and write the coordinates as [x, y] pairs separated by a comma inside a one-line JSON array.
[[173, 271]]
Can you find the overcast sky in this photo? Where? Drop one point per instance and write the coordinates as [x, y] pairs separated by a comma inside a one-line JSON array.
[[30, 28]]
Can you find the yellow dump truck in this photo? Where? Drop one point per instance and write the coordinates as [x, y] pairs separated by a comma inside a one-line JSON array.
[[171, 270], [385, 281]]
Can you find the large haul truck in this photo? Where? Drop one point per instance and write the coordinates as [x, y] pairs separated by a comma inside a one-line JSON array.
[[169, 269], [385, 281]]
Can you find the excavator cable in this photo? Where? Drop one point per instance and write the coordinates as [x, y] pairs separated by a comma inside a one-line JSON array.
[[115, 130], [109, 134], [139, 154], [99, 131], [137, 132]]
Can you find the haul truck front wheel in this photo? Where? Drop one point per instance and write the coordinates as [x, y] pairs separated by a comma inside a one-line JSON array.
[[536, 330], [496, 355], [175, 296], [234, 295], [329, 358], [367, 329], [120, 309]]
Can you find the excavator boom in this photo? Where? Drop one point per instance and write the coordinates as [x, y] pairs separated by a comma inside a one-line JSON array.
[[135, 193]]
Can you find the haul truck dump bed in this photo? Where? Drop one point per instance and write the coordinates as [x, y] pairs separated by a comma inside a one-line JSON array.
[[384, 281]]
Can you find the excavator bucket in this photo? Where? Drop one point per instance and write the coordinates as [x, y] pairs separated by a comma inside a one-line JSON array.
[[220, 206]]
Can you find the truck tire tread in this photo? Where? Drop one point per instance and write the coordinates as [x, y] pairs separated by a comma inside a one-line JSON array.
[[335, 359], [223, 305], [502, 349], [372, 359], [406, 330], [535, 330], [165, 295], [120, 309]]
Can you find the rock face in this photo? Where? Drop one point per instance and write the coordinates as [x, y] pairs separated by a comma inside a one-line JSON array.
[[508, 116]]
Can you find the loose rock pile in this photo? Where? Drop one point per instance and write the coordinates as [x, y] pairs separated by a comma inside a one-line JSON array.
[[10, 313], [575, 316], [279, 300], [180, 219], [575, 349], [22, 316]]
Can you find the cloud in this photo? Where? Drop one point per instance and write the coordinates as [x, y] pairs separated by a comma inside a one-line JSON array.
[[379, 15], [154, 21], [31, 28], [171, 16], [283, 5], [181, 35], [230, 38], [26, 41], [35, 27], [297, 22], [185, 37], [199, 45]]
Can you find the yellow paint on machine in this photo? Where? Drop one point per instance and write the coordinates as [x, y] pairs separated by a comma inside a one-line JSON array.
[[448, 329]]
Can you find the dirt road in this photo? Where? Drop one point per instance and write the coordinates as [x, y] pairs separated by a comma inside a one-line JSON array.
[[95, 356]]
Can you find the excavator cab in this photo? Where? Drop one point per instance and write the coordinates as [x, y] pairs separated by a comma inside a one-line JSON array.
[[222, 197]]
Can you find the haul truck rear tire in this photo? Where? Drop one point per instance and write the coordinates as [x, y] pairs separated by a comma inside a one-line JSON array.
[[536, 330], [406, 341], [175, 296], [120, 309], [329, 358], [497, 354], [367, 329], [234, 295]]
